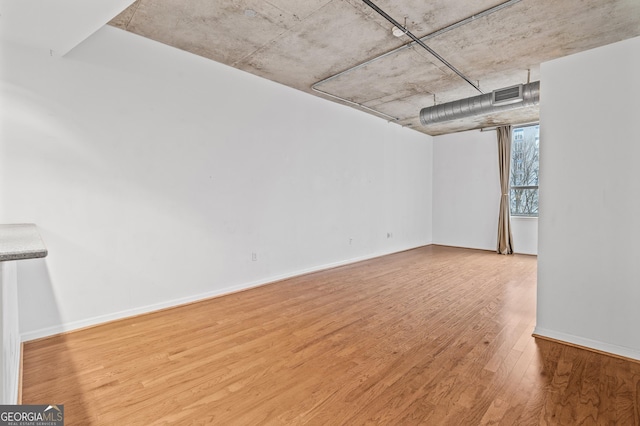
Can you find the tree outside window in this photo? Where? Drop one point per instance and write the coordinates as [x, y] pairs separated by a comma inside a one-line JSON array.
[[525, 163]]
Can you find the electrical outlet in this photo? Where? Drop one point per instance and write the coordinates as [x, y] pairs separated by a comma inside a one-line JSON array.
[[254, 257]]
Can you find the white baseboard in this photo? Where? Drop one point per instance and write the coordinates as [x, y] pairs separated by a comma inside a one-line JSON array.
[[89, 322], [588, 343], [493, 249]]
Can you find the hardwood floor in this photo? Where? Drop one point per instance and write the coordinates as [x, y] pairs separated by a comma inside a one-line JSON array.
[[431, 336]]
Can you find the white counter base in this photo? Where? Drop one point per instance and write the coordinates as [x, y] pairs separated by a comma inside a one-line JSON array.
[[10, 333], [17, 242]]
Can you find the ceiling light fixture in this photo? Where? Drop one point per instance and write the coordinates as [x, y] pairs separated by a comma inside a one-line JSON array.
[[398, 32]]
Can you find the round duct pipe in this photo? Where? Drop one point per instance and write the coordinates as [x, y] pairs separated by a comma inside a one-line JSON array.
[[479, 105]]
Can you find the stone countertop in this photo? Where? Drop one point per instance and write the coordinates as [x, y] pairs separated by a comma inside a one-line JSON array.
[[21, 241]]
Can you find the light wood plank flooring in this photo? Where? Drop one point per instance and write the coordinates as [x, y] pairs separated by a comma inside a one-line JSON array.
[[431, 336]]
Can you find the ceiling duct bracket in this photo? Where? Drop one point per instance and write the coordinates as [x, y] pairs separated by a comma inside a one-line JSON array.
[[520, 96]]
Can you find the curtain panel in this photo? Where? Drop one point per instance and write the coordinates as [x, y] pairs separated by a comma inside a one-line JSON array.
[[505, 239]]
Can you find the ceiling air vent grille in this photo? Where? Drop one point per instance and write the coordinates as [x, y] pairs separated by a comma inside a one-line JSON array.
[[508, 95]]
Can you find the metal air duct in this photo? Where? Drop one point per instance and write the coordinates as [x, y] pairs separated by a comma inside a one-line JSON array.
[[497, 101]]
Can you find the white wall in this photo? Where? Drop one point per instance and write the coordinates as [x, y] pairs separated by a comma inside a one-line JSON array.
[[466, 194], [588, 270], [154, 175]]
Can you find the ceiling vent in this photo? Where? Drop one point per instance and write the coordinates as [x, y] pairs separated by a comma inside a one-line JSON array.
[[509, 95], [520, 96]]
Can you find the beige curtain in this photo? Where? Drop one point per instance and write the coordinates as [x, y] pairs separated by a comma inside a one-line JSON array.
[[505, 239]]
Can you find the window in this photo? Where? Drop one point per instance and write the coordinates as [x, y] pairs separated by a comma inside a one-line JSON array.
[[525, 162]]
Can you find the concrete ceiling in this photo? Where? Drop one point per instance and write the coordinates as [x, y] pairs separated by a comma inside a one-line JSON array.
[[314, 45]]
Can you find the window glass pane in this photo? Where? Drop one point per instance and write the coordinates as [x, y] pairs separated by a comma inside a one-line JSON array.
[[525, 163], [524, 202], [524, 156]]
